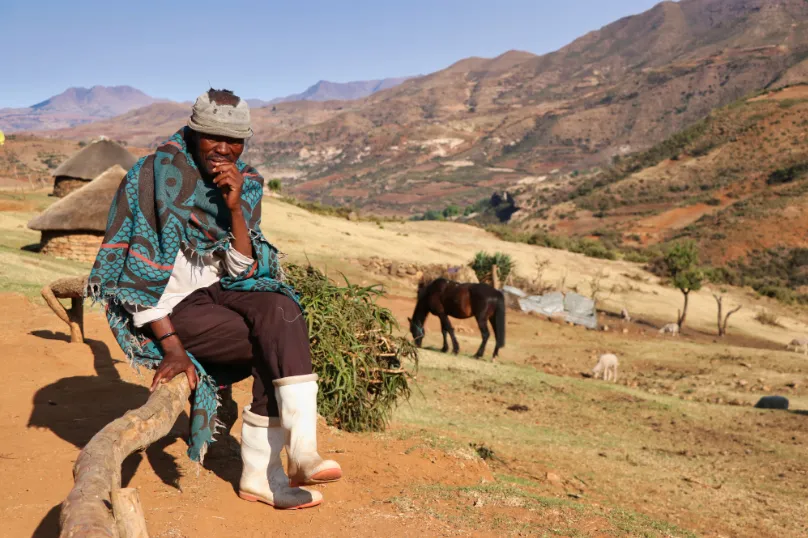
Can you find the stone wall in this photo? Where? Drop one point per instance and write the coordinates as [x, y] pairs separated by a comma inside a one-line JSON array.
[[81, 247], [63, 185], [417, 272]]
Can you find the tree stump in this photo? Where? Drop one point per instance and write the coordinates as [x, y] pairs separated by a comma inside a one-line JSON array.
[[73, 289], [97, 472]]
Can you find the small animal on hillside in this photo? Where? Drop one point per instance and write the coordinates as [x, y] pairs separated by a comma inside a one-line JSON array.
[[444, 298], [606, 367], [799, 344], [670, 328], [625, 315]]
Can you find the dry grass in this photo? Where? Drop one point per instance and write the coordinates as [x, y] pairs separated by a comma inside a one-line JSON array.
[[334, 243]]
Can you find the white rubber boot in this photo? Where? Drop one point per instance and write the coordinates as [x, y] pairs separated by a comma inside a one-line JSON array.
[[262, 477], [297, 400]]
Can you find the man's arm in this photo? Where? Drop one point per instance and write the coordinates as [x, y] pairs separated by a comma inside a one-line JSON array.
[[175, 359], [231, 182], [241, 237]]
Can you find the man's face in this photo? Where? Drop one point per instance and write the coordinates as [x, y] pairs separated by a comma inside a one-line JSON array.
[[213, 149]]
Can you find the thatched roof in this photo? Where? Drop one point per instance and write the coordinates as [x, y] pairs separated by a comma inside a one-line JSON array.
[[83, 209], [94, 159]]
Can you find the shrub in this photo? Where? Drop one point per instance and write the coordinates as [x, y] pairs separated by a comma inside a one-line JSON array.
[[483, 263], [788, 174], [781, 293], [721, 275], [767, 318], [274, 185], [433, 214], [354, 351], [451, 211], [593, 249]]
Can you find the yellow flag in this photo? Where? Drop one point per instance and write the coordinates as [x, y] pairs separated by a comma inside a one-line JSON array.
[[2, 138]]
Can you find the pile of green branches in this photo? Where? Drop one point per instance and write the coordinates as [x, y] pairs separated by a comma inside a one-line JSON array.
[[354, 351], [483, 264]]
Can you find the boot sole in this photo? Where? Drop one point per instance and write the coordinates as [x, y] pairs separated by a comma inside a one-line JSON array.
[[252, 498], [323, 477]]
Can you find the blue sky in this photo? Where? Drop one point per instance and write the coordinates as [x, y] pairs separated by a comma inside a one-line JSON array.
[[174, 49]]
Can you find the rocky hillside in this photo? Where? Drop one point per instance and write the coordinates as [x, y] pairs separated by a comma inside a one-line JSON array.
[[480, 125], [74, 106], [735, 182]]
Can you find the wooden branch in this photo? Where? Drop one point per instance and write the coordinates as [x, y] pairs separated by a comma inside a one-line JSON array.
[[128, 513], [726, 319], [54, 304], [73, 289], [97, 472]]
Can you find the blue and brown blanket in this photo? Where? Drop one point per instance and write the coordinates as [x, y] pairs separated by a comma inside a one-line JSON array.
[[164, 204]]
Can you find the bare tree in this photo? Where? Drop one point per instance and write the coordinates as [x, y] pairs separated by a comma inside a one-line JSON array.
[[538, 282], [596, 285], [723, 320]]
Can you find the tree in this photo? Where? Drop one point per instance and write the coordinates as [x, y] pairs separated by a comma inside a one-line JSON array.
[[722, 323], [680, 261]]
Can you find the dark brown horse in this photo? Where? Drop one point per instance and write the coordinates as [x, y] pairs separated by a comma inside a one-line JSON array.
[[444, 298]]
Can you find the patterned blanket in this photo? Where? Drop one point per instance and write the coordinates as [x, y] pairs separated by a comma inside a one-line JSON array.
[[164, 204]]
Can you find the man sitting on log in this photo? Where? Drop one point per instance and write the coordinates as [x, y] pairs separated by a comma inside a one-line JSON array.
[[192, 285]]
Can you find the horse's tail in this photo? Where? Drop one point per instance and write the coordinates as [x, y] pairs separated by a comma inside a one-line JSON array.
[[499, 321]]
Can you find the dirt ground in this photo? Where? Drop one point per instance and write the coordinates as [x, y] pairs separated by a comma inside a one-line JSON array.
[[525, 445], [64, 393]]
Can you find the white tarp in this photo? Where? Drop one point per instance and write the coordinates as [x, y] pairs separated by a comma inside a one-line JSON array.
[[573, 307]]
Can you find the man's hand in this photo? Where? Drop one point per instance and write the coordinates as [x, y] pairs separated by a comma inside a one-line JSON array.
[[230, 180], [175, 361]]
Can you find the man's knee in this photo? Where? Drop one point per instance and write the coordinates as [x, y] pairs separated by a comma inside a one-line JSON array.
[[275, 310], [287, 307]]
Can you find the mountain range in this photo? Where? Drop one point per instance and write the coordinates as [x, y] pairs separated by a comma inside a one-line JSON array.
[[77, 106], [453, 136], [325, 90], [74, 106]]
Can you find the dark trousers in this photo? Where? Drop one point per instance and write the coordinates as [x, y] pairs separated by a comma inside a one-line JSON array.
[[263, 333]]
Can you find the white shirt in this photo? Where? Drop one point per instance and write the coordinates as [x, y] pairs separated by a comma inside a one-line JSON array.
[[191, 272]]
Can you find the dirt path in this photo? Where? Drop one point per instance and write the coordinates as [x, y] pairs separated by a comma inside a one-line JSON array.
[[61, 394]]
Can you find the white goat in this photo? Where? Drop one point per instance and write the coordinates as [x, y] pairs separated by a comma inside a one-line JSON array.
[[799, 344], [607, 364], [670, 328]]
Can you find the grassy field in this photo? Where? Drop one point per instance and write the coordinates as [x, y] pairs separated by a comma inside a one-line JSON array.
[[675, 448]]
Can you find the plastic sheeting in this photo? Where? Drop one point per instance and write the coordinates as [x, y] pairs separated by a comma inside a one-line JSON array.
[[571, 307]]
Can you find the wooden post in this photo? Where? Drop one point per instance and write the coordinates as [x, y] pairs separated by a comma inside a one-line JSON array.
[[73, 289], [97, 472], [495, 276], [76, 315], [128, 513]]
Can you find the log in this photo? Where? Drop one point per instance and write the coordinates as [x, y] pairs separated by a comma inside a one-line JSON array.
[[97, 472], [128, 513], [73, 289]]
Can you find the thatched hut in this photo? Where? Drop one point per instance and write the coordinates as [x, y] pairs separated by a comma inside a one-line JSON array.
[[89, 163], [74, 226]]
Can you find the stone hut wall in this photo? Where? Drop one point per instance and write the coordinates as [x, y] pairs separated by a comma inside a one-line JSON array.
[[64, 185], [418, 272], [82, 246]]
